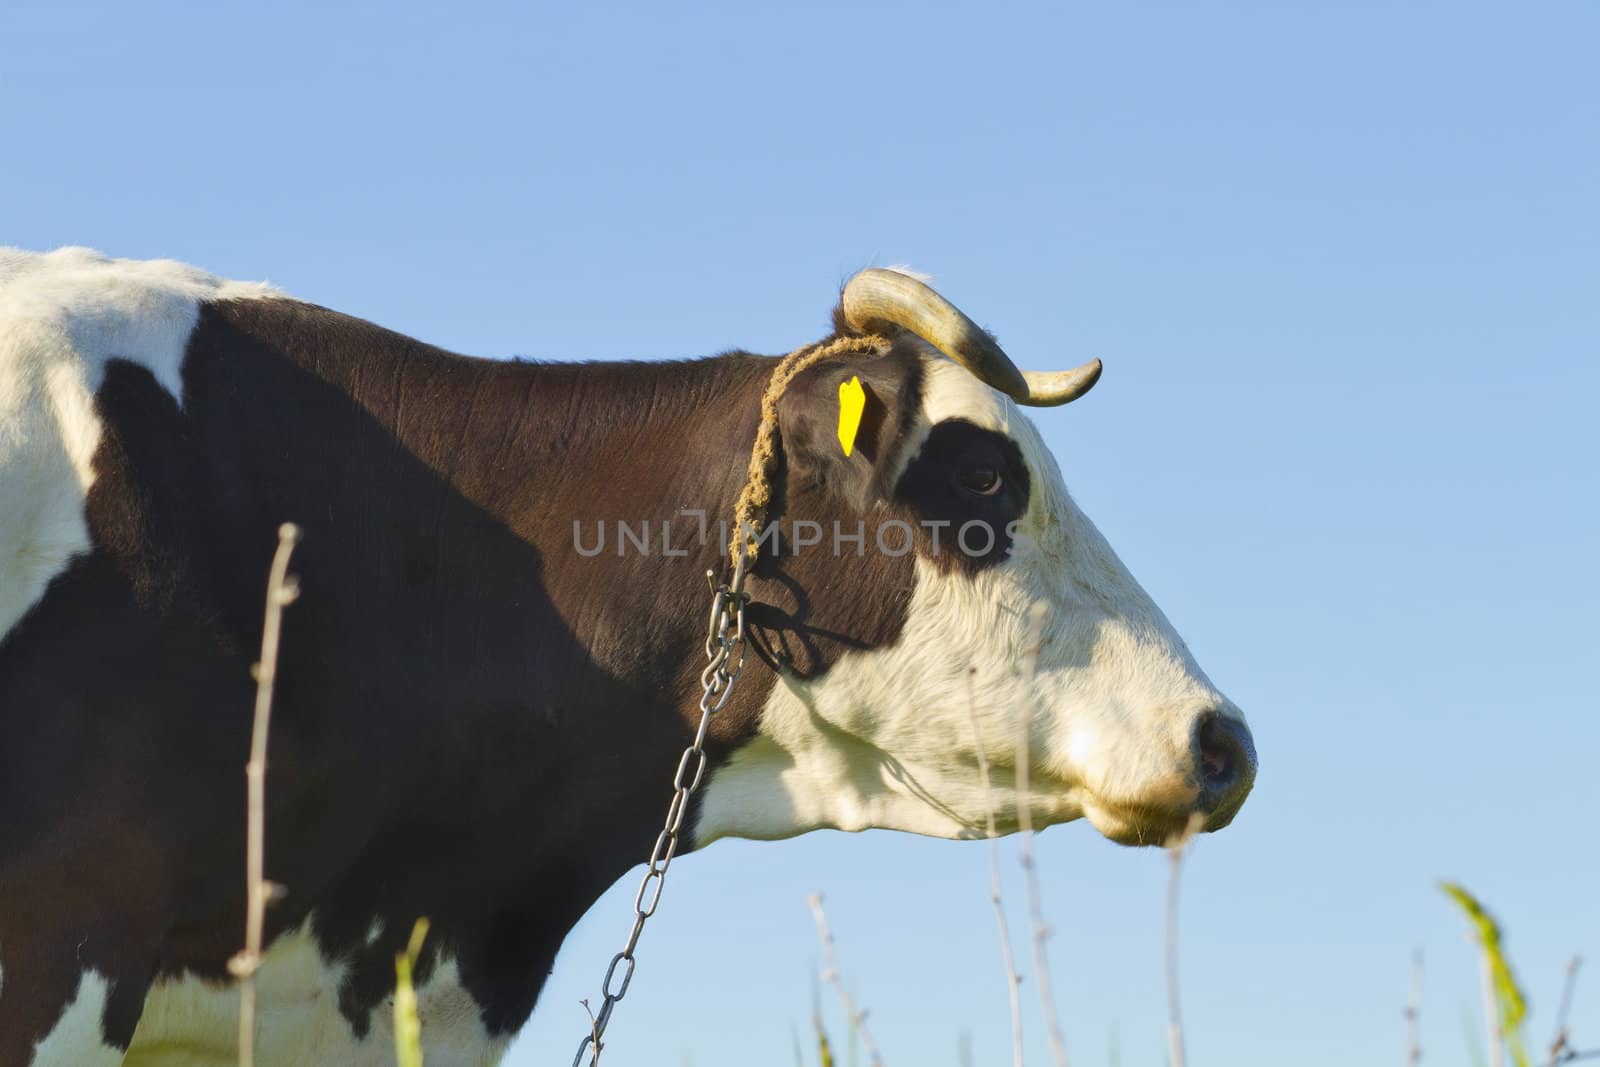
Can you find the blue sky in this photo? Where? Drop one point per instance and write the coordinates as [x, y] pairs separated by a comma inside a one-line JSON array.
[[1341, 262]]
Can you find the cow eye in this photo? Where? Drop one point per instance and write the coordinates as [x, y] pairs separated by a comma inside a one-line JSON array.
[[980, 479]]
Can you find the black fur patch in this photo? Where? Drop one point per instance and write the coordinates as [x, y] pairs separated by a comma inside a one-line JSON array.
[[974, 531]]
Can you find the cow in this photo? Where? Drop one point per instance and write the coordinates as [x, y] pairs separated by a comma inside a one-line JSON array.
[[491, 672]]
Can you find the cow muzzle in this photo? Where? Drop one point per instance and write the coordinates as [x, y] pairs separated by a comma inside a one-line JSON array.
[[1205, 794]]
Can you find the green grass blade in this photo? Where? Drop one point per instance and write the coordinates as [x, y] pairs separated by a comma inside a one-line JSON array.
[[407, 1026], [1511, 1005]]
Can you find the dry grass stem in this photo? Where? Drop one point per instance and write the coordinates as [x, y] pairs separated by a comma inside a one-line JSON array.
[[1414, 1013], [282, 589], [1561, 1050], [1176, 850], [1013, 979], [830, 974], [1491, 1014], [594, 1032], [1040, 928]]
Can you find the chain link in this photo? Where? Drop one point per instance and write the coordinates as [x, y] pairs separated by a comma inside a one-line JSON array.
[[725, 648]]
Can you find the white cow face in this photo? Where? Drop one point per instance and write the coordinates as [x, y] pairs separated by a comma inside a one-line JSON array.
[[1050, 635]]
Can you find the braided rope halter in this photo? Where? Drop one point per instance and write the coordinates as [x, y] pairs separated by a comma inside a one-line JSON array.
[[725, 648]]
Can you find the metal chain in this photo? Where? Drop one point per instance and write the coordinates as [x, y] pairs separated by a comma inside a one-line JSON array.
[[724, 660], [725, 648]]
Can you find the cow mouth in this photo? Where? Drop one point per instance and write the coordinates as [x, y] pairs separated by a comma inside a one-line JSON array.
[[1140, 824]]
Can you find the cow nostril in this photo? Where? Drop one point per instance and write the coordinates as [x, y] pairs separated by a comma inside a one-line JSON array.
[[1224, 755]]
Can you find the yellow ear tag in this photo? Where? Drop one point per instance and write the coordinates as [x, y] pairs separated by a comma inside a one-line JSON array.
[[852, 402]]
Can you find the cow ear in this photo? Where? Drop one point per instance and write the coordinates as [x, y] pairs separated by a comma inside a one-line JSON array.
[[809, 418]]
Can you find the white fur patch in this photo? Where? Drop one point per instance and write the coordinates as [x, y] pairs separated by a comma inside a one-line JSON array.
[[189, 1022], [63, 315], [75, 1040], [886, 737]]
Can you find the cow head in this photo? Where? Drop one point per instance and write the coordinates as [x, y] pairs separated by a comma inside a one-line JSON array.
[[941, 598]]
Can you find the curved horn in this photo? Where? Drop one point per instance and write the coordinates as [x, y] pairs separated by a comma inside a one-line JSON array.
[[1050, 388], [875, 298]]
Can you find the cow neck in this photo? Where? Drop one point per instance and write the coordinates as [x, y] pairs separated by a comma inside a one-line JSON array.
[[440, 496], [442, 499]]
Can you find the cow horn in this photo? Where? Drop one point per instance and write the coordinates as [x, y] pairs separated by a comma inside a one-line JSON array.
[[875, 298]]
